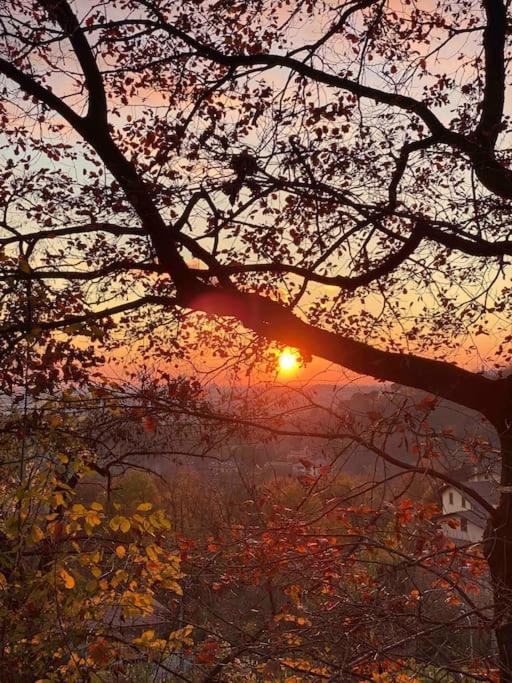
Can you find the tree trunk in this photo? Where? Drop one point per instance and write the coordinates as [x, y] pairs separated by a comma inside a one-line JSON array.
[[498, 551]]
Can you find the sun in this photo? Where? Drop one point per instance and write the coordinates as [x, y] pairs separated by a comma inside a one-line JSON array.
[[288, 360]]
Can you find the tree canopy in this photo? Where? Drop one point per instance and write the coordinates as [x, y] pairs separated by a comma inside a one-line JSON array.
[[334, 177]]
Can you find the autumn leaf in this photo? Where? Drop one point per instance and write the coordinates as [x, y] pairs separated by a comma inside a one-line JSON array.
[[114, 523], [149, 423], [36, 533], [58, 498], [152, 553], [99, 652], [69, 581], [124, 524]]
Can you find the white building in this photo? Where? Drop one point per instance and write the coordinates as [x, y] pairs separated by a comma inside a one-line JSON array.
[[463, 519]]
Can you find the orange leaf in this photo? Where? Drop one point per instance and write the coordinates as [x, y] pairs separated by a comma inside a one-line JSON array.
[[69, 581]]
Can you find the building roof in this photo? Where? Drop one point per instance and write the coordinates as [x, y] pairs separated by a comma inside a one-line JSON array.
[[487, 489]]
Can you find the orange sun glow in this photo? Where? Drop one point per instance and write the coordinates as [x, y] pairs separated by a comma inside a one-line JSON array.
[[288, 360]]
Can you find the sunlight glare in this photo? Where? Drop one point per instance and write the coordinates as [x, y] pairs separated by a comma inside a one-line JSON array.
[[288, 360]]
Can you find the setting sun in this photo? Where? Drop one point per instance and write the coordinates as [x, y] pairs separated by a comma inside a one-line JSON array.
[[288, 360]]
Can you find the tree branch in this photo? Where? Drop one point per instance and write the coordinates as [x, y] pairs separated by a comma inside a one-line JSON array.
[[394, 99], [111, 228], [494, 89], [61, 12], [274, 321], [87, 317], [116, 267], [349, 283], [40, 93]]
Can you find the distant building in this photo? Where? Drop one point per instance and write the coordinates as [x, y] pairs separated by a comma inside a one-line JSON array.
[[301, 463], [463, 518]]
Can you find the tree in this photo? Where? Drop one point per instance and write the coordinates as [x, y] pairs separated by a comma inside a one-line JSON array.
[[78, 578], [330, 177], [314, 575]]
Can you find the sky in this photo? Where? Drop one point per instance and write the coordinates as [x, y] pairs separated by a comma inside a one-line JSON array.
[[321, 371]]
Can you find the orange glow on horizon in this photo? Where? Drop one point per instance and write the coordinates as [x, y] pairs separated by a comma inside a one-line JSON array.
[[288, 360]]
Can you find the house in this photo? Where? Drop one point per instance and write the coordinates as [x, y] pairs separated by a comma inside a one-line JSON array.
[[302, 464], [463, 519]]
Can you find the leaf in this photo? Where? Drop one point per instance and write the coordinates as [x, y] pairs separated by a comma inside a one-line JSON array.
[[99, 652], [302, 621], [78, 509], [55, 421], [124, 525], [58, 498], [114, 523], [120, 551], [144, 507], [171, 585], [37, 533], [69, 581], [91, 586], [148, 423], [151, 553], [92, 518]]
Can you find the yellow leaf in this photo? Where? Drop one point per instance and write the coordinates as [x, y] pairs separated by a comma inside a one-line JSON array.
[[120, 551], [37, 534], [172, 586], [124, 525], [58, 498], [144, 507], [97, 506], [114, 523], [69, 581], [55, 421], [145, 638], [96, 572], [151, 553], [78, 509], [92, 518]]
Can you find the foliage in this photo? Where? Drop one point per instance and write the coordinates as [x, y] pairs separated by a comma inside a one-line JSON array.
[[81, 583]]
